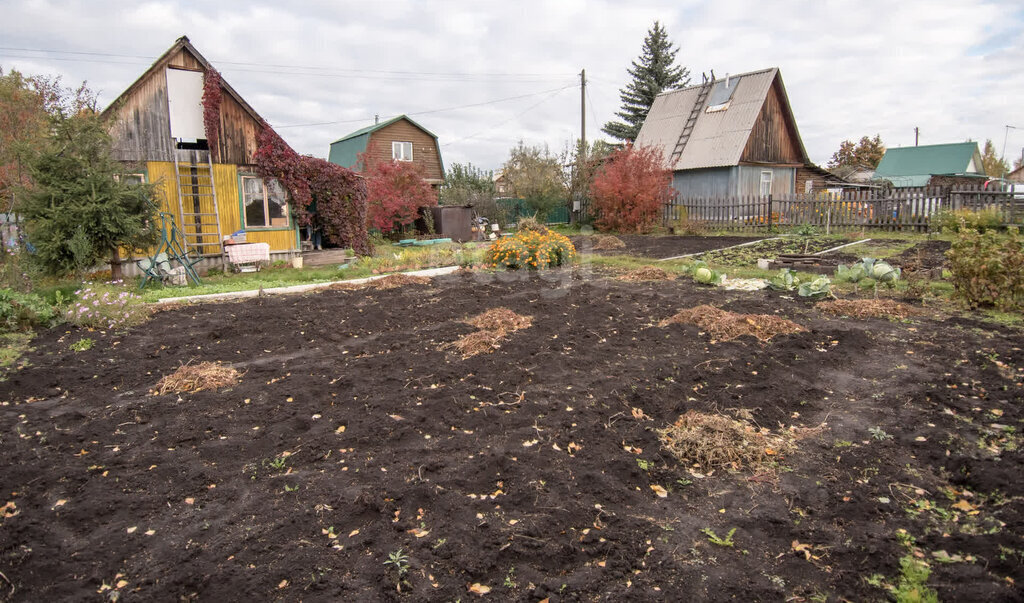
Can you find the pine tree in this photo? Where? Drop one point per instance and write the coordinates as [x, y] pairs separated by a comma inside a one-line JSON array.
[[653, 72]]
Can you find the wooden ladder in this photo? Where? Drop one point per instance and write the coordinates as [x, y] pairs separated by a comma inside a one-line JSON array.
[[698, 106], [197, 202]]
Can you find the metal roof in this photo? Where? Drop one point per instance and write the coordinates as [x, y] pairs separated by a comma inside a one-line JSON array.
[[719, 137], [913, 166], [346, 150]]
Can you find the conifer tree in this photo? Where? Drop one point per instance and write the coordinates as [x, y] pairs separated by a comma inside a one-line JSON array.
[[653, 72]]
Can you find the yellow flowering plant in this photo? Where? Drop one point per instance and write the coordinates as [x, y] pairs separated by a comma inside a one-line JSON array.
[[530, 249]]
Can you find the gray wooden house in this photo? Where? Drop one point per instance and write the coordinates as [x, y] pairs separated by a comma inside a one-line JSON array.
[[728, 137]]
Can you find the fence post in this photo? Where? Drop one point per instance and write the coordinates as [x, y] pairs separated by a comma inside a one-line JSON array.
[[769, 213]]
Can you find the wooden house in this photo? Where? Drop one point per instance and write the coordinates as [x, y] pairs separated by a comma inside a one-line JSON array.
[[728, 137], [932, 165], [158, 125], [396, 139]]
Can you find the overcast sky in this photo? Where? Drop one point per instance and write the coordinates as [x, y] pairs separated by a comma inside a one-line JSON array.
[[483, 74]]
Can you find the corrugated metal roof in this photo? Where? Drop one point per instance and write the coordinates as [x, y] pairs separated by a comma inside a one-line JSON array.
[[718, 138], [905, 163], [345, 152]]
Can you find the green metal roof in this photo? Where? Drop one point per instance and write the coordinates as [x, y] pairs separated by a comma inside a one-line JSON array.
[[914, 166], [345, 151]]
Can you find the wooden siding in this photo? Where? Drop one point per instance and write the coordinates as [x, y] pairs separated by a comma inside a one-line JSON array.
[[773, 139], [425, 151], [142, 128], [709, 182], [748, 180], [225, 178]]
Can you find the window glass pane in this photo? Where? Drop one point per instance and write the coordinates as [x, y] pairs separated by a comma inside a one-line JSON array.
[[401, 151], [255, 211], [133, 179], [277, 204]]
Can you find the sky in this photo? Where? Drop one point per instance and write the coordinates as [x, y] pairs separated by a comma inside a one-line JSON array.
[[484, 75]]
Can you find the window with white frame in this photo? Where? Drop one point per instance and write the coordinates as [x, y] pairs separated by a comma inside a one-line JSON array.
[[265, 203], [766, 183], [401, 151], [131, 178]]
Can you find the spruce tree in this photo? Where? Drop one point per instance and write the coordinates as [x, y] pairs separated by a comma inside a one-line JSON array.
[[653, 72], [81, 209]]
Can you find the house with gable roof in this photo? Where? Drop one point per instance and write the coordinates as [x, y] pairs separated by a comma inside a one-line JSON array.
[[731, 136]]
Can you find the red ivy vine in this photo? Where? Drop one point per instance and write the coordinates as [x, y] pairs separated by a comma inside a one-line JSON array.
[[212, 96], [396, 190], [324, 195]]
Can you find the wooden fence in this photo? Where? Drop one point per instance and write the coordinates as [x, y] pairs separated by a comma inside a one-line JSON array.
[[895, 209]]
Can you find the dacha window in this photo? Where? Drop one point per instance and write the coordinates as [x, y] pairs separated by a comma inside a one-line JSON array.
[[265, 201], [401, 151]]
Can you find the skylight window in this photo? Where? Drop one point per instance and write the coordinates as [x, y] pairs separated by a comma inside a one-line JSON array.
[[721, 94]]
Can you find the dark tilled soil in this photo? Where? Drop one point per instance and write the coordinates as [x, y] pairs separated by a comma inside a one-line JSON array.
[[925, 255], [660, 247], [465, 467]]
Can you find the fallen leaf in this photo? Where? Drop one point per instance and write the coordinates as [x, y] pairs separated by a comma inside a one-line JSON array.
[[479, 589], [283, 584], [132, 529], [770, 451], [190, 500], [60, 503], [397, 417], [638, 413], [529, 443], [963, 505], [122, 583], [602, 563], [661, 492], [353, 533], [574, 447], [802, 548], [418, 533], [9, 510], [997, 412], [340, 429], [150, 532]]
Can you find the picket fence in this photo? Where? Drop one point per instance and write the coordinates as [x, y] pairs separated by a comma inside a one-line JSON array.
[[895, 209]]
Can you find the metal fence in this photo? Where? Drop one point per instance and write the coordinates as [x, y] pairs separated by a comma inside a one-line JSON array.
[[896, 209]]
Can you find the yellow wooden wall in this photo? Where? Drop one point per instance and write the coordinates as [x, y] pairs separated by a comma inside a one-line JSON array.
[[225, 177]]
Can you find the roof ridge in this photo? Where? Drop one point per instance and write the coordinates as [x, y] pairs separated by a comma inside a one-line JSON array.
[[719, 79]]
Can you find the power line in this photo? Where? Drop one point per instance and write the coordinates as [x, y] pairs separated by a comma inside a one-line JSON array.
[[326, 70], [430, 111], [553, 94]]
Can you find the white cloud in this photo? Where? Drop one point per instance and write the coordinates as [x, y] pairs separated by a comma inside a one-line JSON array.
[[851, 68]]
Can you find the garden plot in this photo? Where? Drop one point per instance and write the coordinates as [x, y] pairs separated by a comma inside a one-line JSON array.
[[655, 247], [593, 453]]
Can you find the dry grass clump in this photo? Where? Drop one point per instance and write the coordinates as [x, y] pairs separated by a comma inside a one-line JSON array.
[[500, 319], [392, 281], [531, 223], [723, 325], [646, 273], [197, 377], [868, 308], [493, 326], [712, 441], [608, 242]]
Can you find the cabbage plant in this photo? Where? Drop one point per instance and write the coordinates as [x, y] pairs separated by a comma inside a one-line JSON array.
[[816, 289], [705, 275], [785, 280]]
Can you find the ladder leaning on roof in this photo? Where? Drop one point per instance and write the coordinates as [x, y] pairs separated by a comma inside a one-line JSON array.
[[197, 204], [698, 106]]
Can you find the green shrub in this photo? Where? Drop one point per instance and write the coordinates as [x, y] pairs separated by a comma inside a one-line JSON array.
[[968, 219], [24, 310], [988, 268], [106, 307]]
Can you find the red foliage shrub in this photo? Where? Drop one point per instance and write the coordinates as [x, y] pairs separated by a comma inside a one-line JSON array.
[[212, 96], [322, 194], [630, 190], [396, 190]]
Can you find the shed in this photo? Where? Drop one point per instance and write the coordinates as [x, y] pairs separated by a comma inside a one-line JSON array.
[[917, 166], [728, 137]]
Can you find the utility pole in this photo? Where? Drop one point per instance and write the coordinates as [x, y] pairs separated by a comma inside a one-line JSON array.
[[917, 132], [583, 111], [1002, 156]]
